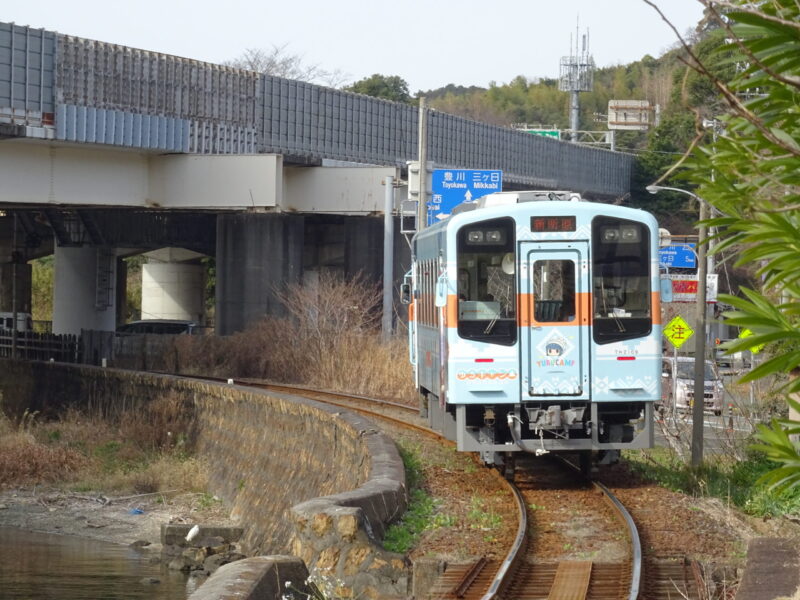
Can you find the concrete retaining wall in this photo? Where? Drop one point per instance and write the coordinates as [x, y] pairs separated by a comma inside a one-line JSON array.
[[299, 476]]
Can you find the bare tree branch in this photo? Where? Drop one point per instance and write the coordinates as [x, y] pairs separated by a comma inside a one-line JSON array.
[[692, 145], [279, 62], [726, 92]]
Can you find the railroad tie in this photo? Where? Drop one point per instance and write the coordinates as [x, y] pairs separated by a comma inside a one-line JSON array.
[[571, 581]]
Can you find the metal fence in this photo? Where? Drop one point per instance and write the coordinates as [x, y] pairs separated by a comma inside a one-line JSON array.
[[27, 68], [110, 94]]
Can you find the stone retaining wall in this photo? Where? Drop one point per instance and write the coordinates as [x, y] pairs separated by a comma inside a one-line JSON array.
[[299, 476]]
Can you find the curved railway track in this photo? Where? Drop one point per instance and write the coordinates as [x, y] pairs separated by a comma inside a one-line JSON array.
[[530, 575], [521, 574]]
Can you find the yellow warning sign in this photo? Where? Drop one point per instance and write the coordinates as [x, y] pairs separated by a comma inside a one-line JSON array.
[[678, 331]]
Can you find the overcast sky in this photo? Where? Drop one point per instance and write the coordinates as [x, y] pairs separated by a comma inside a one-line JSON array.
[[429, 44]]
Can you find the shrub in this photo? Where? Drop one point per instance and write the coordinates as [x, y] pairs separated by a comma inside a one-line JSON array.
[[330, 339]]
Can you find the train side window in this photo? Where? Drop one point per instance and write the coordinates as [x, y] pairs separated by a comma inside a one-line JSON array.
[[487, 293]]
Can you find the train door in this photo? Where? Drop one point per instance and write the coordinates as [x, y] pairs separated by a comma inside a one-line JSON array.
[[554, 286]]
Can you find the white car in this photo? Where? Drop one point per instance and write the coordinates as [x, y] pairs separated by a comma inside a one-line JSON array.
[[677, 385]]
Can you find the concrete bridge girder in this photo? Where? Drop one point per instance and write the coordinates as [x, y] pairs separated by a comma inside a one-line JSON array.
[[261, 242], [80, 176]]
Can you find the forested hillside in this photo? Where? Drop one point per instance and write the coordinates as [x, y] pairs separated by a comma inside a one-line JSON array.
[[684, 101]]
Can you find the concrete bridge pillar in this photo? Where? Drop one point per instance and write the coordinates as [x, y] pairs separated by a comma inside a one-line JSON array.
[[256, 253], [173, 285], [84, 295]]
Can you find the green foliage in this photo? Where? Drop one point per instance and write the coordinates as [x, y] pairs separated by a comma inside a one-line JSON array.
[[751, 175], [206, 500], [401, 537], [413, 466], [388, 87], [210, 265], [770, 323], [133, 287], [741, 483], [422, 513], [481, 518], [42, 277]]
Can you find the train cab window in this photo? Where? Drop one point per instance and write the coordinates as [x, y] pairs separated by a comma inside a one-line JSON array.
[[621, 299], [487, 289], [554, 290]]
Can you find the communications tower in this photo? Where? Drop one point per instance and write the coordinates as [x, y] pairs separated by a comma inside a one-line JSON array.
[[576, 75]]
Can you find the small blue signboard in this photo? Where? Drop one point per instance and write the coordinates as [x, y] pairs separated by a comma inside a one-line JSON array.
[[451, 187], [681, 256]]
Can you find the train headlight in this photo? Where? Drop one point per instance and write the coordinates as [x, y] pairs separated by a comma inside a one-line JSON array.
[[610, 234], [629, 234], [494, 237], [475, 237]]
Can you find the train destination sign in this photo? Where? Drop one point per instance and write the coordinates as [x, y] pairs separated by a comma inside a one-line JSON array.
[[451, 187]]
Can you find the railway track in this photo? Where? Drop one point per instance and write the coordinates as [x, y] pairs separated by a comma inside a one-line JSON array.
[[536, 572], [530, 572]]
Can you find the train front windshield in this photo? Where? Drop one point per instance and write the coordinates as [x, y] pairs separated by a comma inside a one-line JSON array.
[[487, 289], [620, 280]]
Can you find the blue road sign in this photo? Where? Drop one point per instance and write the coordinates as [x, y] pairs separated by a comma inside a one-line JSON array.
[[451, 187], [680, 256]]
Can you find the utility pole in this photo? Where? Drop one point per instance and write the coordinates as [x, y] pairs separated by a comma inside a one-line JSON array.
[[14, 289], [700, 343], [700, 339], [388, 258], [422, 208]]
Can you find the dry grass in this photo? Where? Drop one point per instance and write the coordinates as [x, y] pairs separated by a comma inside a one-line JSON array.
[[24, 460], [330, 339], [162, 473], [164, 424], [143, 452]]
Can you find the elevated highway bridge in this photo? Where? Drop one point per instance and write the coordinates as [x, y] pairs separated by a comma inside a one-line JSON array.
[[108, 151]]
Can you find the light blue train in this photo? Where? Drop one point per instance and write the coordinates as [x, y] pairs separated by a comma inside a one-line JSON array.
[[535, 325]]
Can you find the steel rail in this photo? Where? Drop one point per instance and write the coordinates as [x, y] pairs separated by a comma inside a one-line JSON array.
[[633, 534], [622, 514], [299, 388], [509, 564]]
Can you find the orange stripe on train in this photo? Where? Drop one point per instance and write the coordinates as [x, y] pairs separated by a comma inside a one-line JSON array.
[[525, 310]]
